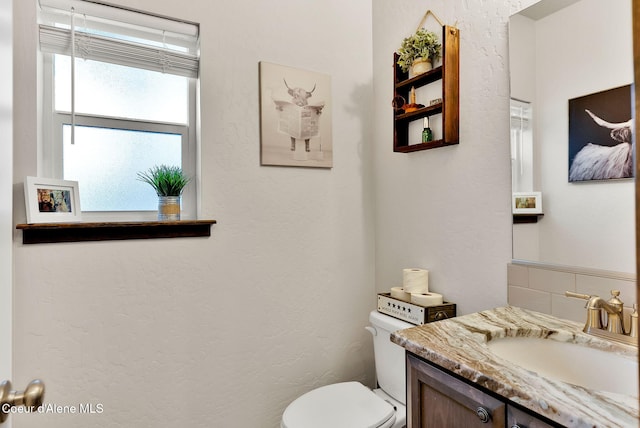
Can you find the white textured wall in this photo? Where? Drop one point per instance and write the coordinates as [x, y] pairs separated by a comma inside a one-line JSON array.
[[522, 58], [448, 209], [225, 331]]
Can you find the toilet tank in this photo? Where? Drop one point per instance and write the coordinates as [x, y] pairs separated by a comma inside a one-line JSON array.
[[389, 357]]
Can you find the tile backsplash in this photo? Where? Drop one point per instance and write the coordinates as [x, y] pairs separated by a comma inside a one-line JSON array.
[[540, 287]]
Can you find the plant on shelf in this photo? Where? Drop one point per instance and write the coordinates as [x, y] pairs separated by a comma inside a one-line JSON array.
[[419, 51], [165, 180], [169, 183]]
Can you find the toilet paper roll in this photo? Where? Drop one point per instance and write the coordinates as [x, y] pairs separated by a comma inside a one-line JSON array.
[[426, 299], [415, 280], [400, 294]]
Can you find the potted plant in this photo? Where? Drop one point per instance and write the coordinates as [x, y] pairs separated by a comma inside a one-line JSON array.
[[418, 52], [168, 182]]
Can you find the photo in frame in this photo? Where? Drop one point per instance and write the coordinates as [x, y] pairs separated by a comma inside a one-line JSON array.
[[295, 117], [526, 203], [600, 136], [49, 200]]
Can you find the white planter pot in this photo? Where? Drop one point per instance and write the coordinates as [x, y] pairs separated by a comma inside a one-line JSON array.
[[419, 66]]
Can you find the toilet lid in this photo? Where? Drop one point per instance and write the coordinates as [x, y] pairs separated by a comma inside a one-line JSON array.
[[341, 405]]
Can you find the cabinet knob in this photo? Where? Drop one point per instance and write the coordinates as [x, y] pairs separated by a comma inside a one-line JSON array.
[[483, 415], [440, 315]]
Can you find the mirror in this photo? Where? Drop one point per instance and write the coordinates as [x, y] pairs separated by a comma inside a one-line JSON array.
[[561, 51]]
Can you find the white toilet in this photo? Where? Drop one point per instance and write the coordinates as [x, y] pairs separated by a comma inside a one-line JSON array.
[[353, 405]]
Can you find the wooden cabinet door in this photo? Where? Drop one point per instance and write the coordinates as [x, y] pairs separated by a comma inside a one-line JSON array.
[[436, 399], [516, 418]]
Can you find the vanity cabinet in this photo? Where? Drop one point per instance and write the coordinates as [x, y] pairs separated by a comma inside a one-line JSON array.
[[437, 399], [448, 73], [516, 418]]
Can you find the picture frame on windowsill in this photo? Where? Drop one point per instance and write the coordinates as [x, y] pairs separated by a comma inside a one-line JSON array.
[[526, 203], [50, 200]]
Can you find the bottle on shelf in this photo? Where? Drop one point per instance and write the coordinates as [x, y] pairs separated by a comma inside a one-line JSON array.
[[427, 134]]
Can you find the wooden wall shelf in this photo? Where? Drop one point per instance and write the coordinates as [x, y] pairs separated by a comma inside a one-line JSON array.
[[45, 233], [526, 218], [449, 73]]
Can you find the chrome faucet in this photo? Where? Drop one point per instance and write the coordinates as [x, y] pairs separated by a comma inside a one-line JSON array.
[[614, 327]]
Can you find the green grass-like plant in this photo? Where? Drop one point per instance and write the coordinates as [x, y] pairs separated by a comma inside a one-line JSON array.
[[165, 180]]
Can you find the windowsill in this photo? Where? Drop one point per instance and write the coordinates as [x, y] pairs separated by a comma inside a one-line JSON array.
[[526, 218], [45, 233]]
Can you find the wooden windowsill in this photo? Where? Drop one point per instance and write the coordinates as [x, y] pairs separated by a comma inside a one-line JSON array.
[[45, 233], [526, 218]]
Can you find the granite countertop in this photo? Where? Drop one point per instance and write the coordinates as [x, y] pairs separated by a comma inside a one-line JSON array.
[[459, 345]]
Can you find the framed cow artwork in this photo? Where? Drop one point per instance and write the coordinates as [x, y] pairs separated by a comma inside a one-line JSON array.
[[600, 136], [295, 117]]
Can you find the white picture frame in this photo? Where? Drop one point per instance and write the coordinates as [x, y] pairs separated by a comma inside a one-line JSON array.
[[50, 200], [295, 117], [526, 203]]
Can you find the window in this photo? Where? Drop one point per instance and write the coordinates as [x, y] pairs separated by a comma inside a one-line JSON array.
[[521, 146], [119, 97]]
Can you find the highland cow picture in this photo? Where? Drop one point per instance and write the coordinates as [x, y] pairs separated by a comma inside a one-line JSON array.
[[295, 117], [600, 136], [52, 200]]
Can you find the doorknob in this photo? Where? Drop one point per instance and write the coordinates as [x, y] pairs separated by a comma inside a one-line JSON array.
[[31, 397]]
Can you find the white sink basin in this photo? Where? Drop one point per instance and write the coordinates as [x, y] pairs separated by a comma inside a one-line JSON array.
[[568, 362]]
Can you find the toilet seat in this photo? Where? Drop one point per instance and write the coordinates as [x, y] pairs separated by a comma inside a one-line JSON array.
[[341, 405]]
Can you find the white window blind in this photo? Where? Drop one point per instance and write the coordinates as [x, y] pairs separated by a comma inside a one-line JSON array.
[[119, 36]]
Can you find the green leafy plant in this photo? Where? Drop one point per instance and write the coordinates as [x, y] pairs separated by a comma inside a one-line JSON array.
[[421, 44], [165, 180]]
